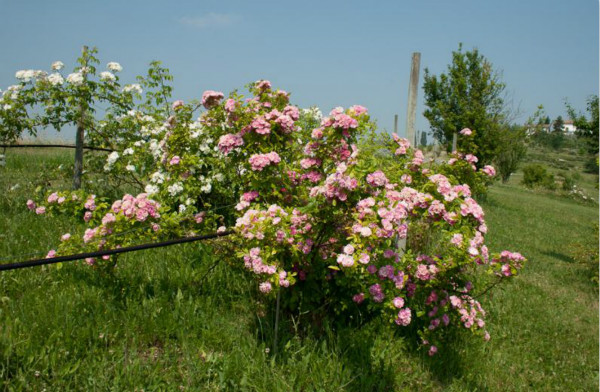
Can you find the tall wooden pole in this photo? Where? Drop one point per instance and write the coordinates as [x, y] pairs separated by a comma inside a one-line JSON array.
[[395, 123], [79, 136], [411, 111]]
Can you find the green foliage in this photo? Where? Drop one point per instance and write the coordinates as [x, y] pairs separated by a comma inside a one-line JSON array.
[[469, 95], [167, 321], [587, 129], [536, 175], [512, 149]]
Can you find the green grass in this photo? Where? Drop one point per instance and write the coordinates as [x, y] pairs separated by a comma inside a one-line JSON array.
[[165, 321]]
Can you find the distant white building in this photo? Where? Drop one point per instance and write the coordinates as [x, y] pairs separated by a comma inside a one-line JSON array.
[[569, 128]]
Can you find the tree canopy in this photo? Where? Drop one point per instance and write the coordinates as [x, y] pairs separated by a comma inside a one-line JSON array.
[[469, 95]]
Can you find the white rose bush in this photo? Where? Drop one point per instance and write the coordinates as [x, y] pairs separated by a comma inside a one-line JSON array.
[[311, 216]]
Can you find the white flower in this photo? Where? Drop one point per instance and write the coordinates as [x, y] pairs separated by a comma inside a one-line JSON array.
[[146, 117], [115, 67], [75, 78], [138, 143], [107, 76], [206, 188], [132, 113], [128, 151], [132, 88], [218, 177], [189, 201], [55, 79], [130, 168], [182, 208], [157, 177], [25, 75], [175, 189], [151, 189], [7, 107], [85, 70], [112, 158], [57, 65]]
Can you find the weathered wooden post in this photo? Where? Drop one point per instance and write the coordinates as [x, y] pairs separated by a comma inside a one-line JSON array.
[[411, 110], [411, 114], [454, 141], [79, 136], [395, 123]]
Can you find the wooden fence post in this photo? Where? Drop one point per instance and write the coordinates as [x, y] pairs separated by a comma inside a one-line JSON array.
[[454, 141], [79, 136], [396, 124], [413, 87]]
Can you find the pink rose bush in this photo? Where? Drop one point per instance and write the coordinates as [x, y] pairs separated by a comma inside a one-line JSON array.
[[311, 213]]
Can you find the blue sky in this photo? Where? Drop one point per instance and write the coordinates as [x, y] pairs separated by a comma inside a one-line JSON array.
[[326, 53]]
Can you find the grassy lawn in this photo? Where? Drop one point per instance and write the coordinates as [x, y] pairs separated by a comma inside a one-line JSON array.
[[167, 321]]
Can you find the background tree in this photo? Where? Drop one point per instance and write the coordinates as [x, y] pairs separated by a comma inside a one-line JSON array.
[[558, 124], [587, 129], [423, 139], [469, 95], [513, 147]]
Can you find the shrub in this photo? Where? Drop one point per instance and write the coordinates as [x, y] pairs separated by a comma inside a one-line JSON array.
[[314, 216], [536, 175]]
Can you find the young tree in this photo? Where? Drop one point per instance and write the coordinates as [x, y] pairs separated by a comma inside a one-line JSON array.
[[587, 130], [558, 125], [469, 95], [514, 149], [423, 139]]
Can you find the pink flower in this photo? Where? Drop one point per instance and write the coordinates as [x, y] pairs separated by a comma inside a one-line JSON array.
[[365, 231], [489, 170], [221, 229], [471, 158], [31, 204], [432, 351], [398, 302], [87, 216], [317, 133], [260, 161], [457, 239], [229, 142], [348, 249], [364, 258], [53, 197], [199, 217], [404, 317], [155, 227], [377, 178], [51, 254], [345, 260], [265, 287], [261, 126], [40, 210], [108, 218], [65, 237], [177, 104], [230, 105], [90, 261], [466, 132], [358, 298], [358, 109], [263, 85], [175, 160], [211, 98]]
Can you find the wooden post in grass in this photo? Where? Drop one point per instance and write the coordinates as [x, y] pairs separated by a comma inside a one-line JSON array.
[[411, 110], [79, 136], [411, 114], [454, 141]]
